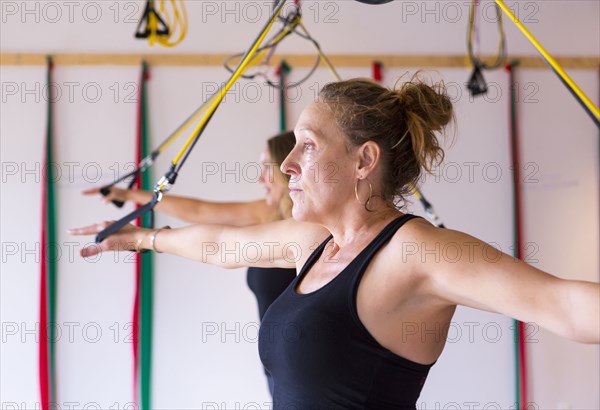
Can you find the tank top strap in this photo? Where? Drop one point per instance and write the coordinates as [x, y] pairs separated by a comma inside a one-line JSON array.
[[385, 235], [364, 258], [312, 258], [366, 254]]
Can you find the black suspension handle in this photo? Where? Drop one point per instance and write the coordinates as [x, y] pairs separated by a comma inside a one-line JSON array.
[[105, 191]]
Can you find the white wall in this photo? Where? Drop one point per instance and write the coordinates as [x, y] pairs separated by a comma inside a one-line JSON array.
[[193, 368]]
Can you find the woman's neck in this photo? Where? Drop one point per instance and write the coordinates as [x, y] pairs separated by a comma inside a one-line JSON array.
[[361, 227]]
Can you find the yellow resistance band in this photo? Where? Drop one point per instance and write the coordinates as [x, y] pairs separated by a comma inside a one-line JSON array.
[[179, 23], [219, 97], [553, 63], [177, 133]]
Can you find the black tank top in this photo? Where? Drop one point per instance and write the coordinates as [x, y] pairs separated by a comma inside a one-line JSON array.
[[267, 284], [320, 354]]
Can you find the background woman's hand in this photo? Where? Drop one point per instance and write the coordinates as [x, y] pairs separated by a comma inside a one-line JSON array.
[[115, 194]]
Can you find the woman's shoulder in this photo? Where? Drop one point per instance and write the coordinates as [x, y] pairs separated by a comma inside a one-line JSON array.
[[414, 229], [419, 231], [418, 243]]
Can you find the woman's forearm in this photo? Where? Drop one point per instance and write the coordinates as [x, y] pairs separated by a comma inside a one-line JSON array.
[[584, 311], [138, 196], [276, 244], [198, 211], [186, 209], [268, 245], [197, 242]]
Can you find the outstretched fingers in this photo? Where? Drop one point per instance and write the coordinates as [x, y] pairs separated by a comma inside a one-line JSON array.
[[91, 229], [126, 239], [91, 191], [92, 249], [113, 194]]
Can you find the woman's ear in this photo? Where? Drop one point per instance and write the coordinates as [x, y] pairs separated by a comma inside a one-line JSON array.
[[369, 155]]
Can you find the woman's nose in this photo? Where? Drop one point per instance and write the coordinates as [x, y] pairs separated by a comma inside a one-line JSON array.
[[289, 166]]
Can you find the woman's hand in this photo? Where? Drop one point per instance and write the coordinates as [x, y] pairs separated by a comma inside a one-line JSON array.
[[114, 194], [129, 238]]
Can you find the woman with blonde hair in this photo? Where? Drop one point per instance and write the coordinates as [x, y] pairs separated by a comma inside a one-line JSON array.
[[266, 283]]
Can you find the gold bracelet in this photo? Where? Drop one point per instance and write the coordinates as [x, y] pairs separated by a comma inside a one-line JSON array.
[[153, 238], [138, 245]]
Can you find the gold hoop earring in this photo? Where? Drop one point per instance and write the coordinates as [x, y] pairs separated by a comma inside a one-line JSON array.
[[366, 204]]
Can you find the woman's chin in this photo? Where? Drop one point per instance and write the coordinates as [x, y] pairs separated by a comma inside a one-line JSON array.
[[299, 214], [271, 201]]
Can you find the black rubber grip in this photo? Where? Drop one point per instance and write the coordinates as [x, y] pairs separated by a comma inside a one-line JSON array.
[[105, 191]]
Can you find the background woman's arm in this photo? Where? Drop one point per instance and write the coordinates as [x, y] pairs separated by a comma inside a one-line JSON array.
[[195, 210]]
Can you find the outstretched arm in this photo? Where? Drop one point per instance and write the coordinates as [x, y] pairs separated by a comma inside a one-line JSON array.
[[284, 243], [485, 278], [194, 210]]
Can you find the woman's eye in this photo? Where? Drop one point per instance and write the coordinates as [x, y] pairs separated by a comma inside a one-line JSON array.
[[309, 146]]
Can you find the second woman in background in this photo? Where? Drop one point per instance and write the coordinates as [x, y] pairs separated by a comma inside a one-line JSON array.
[[266, 283]]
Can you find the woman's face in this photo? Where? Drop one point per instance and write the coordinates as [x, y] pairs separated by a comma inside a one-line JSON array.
[[274, 184], [321, 168]]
